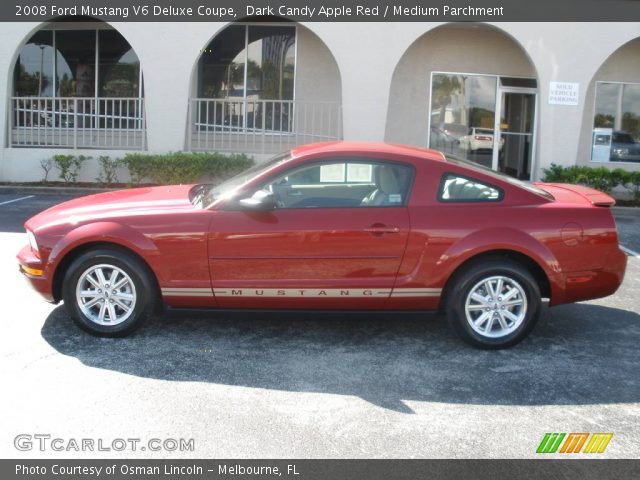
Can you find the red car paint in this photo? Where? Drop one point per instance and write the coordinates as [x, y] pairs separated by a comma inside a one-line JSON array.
[[398, 257]]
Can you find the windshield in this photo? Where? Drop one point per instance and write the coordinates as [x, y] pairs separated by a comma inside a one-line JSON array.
[[501, 176], [227, 188]]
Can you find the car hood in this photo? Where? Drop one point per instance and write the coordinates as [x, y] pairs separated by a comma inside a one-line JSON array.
[[116, 204], [631, 147]]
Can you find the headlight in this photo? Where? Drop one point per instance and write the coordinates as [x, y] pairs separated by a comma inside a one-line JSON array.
[[32, 241]]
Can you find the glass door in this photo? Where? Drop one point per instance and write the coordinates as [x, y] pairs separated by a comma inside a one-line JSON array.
[[515, 128]]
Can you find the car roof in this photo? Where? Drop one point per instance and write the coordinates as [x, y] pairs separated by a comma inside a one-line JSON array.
[[346, 147]]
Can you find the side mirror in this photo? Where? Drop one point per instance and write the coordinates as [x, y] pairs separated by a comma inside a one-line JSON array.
[[261, 200]]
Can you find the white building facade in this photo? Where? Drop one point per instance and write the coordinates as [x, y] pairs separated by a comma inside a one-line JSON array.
[[512, 96]]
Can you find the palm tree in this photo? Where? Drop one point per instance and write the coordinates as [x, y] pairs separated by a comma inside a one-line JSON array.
[[443, 88]]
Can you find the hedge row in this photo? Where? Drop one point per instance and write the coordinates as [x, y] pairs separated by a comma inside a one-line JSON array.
[[170, 168], [181, 167], [599, 178]]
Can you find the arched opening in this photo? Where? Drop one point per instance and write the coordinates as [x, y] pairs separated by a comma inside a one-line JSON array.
[[610, 134], [263, 86], [468, 90], [77, 84]]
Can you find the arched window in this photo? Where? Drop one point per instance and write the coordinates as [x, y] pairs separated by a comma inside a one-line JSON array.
[[263, 86], [251, 70], [477, 105], [72, 78]]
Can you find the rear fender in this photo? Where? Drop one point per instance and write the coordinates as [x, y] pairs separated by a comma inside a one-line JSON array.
[[507, 239]]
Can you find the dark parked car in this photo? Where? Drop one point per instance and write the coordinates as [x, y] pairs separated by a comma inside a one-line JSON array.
[[624, 148]]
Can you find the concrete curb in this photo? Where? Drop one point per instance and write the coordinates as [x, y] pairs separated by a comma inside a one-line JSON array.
[[621, 207], [29, 190], [628, 251]]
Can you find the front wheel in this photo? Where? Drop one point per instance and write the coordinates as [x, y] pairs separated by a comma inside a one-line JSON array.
[[493, 304], [109, 292]]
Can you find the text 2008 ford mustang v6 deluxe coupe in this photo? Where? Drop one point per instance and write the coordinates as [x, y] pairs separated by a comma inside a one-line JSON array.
[[332, 226]]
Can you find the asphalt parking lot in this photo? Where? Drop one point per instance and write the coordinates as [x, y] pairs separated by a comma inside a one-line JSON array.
[[338, 386]]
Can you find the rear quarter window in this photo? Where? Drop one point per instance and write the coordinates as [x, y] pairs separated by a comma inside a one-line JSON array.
[[458, 188]]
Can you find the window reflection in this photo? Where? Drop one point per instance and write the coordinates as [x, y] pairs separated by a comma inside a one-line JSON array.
[[616, 123], [463, 115], [271, 57], [606, 104], [119, 72], [75, 63], [251, 70], [62, 63], [221, 66], [631, 110], [33, 74], [455, 188], [265, 54]]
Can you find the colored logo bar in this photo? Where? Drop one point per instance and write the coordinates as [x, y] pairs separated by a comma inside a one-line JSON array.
[[574, 443]]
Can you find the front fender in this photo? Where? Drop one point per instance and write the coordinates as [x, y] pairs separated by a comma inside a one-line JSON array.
[[106, 232]]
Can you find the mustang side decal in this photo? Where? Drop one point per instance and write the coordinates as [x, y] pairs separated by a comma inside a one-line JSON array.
[[187, 292], [302, 292]]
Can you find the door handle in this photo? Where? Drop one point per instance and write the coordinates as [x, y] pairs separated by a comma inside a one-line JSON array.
[[381, 229]]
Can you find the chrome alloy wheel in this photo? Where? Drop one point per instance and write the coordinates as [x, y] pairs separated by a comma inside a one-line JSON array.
[[106, 295], [496, 306]]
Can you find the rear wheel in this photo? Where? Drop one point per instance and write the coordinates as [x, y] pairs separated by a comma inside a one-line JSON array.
[[493, 304], [109, 292]]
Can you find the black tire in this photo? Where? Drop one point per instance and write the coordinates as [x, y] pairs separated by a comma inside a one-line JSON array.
[[141, 287], [458, 293]]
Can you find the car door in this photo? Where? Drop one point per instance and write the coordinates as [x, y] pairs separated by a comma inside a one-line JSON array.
[[334, 240]]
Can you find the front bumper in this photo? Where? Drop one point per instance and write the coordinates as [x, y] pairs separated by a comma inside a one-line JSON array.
[[32, 267]]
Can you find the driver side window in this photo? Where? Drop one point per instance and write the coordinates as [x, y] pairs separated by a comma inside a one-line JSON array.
[[348, 183]]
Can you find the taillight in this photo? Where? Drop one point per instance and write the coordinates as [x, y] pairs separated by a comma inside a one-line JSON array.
[[484, 138]]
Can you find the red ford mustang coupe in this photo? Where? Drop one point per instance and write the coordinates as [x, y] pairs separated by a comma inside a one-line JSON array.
[[334, 226]]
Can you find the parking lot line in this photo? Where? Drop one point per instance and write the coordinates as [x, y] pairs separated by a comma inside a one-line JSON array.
[[16, 200], [628, 251]]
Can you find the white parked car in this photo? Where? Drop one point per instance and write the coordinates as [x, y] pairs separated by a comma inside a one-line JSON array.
[[478, 139]]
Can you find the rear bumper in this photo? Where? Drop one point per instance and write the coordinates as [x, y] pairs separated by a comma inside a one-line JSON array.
[[591, 284], [35, 272]]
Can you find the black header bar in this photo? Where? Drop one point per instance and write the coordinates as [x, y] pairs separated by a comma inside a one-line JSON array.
[[319, 469], [325, 10]]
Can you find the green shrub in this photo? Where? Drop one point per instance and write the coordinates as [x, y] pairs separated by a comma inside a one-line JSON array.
[[556, 173], [46, 164], [69, 166], [634, 182], [108, 170], [64, 164], [140, 166], [599, 178], [621, 177], [183, 167]]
